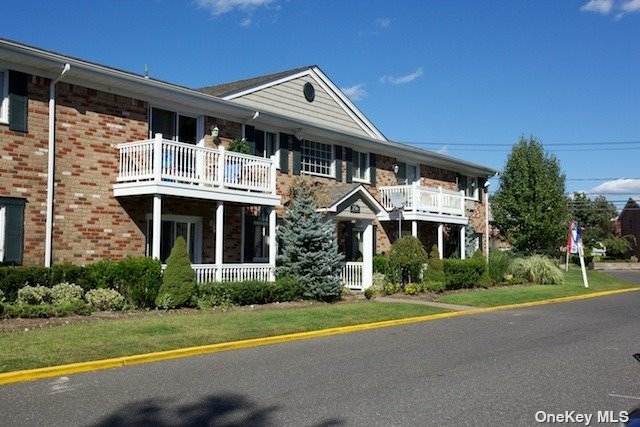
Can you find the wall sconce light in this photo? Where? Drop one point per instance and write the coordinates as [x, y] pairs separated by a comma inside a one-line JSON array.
[[299, 134], [215, 131], [396, 169]]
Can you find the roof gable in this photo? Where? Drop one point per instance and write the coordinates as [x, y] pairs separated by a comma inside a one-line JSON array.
[[282, 93]]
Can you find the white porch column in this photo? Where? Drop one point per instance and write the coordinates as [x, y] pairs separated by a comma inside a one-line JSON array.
[[367, 255], [414, 229], [463, 248], [272, 242], [157, 226], [219, 239], [441, 240]]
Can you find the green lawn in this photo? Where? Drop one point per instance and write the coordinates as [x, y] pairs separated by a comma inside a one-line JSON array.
[[504, 295], [112, 338]]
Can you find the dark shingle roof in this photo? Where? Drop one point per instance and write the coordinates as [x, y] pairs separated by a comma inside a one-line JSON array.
[[337, 191], [240, 85]]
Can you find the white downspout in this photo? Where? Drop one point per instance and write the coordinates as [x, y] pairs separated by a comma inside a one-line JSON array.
[[51, 167]]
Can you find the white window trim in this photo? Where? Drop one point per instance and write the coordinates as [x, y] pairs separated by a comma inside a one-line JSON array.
[[4, 98], [178, 113], [264, 142], [197, 256], [367, 175], [473, 197], [332, 162], [3, 214]]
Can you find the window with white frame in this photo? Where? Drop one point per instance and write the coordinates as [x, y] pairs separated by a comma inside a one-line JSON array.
[[173, 226], [4, 96], [317, 158], [173, 126], [261, 237], [469, 184], [271, 146], [360, 166]]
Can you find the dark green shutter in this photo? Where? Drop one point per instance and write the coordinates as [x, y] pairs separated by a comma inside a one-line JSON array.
[[375, 242], [248, 238], [284, 152], [18, 101], [297, 156], [481, 182], [462, 183], [349, 159], [338, 151], [259, 139], [372, 169], [250, 136], [14, 230]]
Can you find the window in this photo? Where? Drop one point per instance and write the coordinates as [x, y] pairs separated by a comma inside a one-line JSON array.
[[360, 166], [269, 145], [173, 226], [11, 230], [469, 185], [174, 126], [4, 96], [317, 158], [261, 237]]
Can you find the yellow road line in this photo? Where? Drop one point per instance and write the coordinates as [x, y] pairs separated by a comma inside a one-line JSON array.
[[73, 368]]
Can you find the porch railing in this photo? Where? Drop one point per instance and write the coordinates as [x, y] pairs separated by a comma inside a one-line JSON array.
[[418, 198], [170, 161], [232, 272], [351, 275]]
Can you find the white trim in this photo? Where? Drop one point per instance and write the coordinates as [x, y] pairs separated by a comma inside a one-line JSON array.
[[332, 159], [427, 217], [206, 193], [366, 195], [367, 174], [178, 112], [4, 97], [3, 221], [197, 220], [266, 85]]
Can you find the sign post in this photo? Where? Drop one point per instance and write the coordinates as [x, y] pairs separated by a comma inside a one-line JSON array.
[[574, 245]]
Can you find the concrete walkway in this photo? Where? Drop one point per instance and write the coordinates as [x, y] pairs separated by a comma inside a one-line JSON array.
[[424, 302]]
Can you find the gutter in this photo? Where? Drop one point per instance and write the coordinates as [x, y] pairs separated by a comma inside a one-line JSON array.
[[48, 242]]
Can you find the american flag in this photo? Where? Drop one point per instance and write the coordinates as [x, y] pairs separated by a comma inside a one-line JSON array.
[[573, 237]]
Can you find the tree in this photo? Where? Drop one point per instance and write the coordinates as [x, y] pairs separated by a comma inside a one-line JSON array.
[[310, 249], [406, 259], [178, 280], [594, 216], [530, 208]]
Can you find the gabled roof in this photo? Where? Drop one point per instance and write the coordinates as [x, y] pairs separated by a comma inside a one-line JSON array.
[[225, 89], [340, 192], [241, 88], [631, 205]]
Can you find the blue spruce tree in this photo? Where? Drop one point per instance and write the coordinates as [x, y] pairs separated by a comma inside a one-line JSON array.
[[310, 249]]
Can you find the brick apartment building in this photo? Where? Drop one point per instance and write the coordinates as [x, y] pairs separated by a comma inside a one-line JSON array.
[[628, 223], [97, 163]]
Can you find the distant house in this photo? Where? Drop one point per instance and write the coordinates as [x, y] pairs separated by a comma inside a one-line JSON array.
[[629, 222]]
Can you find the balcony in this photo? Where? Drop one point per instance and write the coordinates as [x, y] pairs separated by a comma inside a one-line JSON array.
[[161, 166], [420, 202]]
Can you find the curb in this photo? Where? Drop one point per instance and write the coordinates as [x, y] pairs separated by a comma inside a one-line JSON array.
[[97, 365]]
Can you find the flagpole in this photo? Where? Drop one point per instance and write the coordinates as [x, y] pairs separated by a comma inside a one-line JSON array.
[[582, 267]]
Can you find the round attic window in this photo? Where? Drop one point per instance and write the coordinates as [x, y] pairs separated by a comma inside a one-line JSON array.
[[309, 92]]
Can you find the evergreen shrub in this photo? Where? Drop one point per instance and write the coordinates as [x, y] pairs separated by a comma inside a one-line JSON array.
[[66, 292], [406, 259], [34, 295], [498, 267], [464, 273], [178, 280], [104, 299]]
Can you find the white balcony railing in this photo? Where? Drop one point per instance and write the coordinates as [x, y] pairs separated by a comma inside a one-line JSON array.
[[170, 161], [417, 198], [232, 272], [351, 275]]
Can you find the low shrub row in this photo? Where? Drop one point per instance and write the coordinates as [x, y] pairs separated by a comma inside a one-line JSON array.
[[215, 294], [137, 279]]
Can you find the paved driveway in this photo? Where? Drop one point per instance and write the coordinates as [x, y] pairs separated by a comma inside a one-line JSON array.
[[631, 276]]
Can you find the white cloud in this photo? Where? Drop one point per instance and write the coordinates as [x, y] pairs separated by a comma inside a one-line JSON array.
[[355, 92], [598, 6], [618, 186], [245, 22], [219, 7], [402, 79], [383, 22], [605, 7], [443, 150]]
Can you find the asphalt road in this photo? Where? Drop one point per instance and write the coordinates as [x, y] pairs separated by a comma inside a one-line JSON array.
[[495, 368]]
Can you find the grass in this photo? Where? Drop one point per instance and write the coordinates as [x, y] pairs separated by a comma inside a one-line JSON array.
[[127, 336], [496, 296]]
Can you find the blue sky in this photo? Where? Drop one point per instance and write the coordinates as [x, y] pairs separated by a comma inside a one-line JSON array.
[[439, 74]]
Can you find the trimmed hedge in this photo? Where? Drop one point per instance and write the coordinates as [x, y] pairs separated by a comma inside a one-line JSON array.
[[46, 310], [250, 292], [464, 273], [137, 279]]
